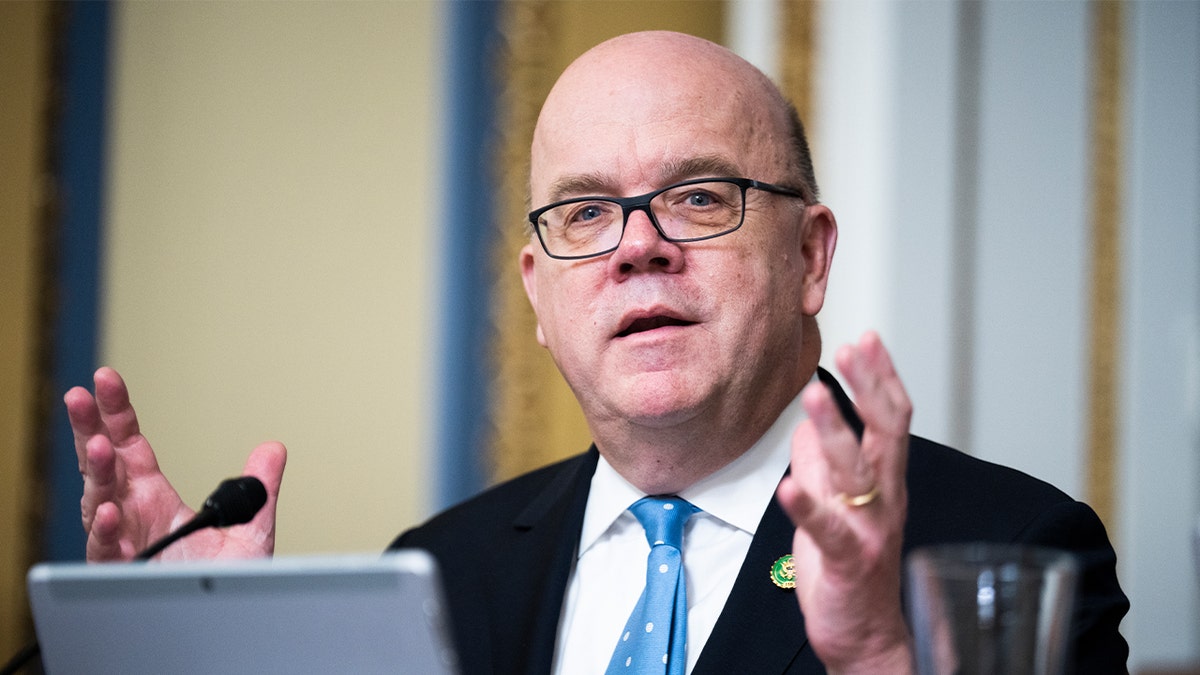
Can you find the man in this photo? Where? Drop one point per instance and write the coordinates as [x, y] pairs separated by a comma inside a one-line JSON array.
[[678, 259]]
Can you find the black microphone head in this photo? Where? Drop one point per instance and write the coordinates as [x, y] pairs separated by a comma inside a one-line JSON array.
[[236, 500]]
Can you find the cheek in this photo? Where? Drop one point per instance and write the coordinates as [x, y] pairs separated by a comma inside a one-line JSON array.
[[764, 298], [771, 275], [566, 310], [786, 270]]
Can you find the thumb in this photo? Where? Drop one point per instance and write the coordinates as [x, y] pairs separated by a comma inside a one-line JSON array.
[[266, 463]]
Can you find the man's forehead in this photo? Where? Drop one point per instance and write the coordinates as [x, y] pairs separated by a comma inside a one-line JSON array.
[[642, 111], [645, 140], [634, 159]]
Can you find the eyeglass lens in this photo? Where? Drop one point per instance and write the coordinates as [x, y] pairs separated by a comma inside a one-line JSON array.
[[683, 212]]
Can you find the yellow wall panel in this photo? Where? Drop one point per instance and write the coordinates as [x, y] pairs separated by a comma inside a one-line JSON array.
[[271, 255]]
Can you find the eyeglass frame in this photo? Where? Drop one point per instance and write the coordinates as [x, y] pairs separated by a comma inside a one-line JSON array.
[[642, 203]]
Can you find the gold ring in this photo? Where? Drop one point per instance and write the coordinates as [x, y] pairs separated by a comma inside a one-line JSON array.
[[859, 500]]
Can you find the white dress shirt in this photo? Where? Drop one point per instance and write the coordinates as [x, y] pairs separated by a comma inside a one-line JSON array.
[[610, 566]]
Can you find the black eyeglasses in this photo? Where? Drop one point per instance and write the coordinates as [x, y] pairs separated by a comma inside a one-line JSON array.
[[694, 210]]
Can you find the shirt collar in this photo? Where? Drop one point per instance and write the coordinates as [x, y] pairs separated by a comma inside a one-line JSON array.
[[737, 494]]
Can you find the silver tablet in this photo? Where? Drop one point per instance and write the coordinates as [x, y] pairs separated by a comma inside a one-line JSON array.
[[327, 614]]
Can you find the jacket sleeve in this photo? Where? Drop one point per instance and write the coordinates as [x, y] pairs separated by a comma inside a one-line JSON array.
[[1100, 604]]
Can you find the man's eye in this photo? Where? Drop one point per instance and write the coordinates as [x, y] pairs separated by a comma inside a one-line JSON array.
[[700, 199], [589, 213], [585, 214]]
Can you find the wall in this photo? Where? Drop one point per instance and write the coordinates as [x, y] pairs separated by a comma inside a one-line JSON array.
[[271, 256], [1160, 414]]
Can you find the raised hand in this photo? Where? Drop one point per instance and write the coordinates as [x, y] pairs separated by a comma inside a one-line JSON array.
[[848, 501], [127, 501]]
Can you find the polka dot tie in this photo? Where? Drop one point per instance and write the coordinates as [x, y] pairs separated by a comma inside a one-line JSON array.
[[655, 637]]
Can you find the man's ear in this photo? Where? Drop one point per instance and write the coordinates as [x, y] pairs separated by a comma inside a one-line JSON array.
[[817, 247], [529, 279]]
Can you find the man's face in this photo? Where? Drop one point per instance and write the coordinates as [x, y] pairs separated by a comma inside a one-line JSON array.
[[657, 333]]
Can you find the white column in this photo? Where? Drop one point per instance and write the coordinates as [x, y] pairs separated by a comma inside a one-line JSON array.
[[882, 134], [753, 32], [1159, 498]]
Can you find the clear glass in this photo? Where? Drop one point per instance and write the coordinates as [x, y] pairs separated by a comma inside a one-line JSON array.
[[990, 609], [702, 208]]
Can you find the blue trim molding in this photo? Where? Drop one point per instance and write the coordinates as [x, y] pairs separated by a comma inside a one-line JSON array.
[[80, 158], [468, 214]]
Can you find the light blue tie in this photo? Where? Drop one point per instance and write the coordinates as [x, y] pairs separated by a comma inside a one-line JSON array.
[[655, 637]]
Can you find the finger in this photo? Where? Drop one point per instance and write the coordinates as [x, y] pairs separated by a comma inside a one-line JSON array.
[[849, 472], [828, 531], [116, 412], [884, 405], [795, 501], [266, 463], [103, 543], [100, 483], [879, 393], [85, 422]]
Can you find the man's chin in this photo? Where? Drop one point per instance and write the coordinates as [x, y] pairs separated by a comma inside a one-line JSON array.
[[660, 402]]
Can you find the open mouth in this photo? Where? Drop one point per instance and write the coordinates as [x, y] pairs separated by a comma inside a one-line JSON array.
[[650, 323]]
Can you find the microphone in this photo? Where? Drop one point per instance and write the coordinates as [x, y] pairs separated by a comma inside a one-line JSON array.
[[234, 502]]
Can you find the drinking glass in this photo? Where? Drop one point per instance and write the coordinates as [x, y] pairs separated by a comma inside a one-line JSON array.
[[990, 609]]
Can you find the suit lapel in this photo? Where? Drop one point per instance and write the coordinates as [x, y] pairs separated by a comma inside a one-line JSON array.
[[761, 629], [528, 577], [844, 404]]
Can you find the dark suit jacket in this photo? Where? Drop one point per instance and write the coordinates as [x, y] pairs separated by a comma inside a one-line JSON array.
[[506, 555]]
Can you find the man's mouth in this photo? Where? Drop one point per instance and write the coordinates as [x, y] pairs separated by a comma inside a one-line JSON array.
[[650, 323]]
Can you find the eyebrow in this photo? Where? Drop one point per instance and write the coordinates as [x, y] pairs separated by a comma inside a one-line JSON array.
[[579, 184], [704, 166], [670, 172]]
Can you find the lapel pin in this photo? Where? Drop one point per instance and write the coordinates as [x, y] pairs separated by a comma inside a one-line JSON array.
[[783, 572]]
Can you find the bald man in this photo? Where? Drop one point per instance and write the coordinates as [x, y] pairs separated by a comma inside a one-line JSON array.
[[678, 257]]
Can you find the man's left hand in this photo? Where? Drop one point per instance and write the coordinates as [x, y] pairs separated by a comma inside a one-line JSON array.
[[848, 501]]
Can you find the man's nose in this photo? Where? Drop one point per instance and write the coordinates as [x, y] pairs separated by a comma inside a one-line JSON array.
[[643, 248]]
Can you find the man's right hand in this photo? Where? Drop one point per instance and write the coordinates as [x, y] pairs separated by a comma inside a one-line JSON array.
[[128, 503]]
